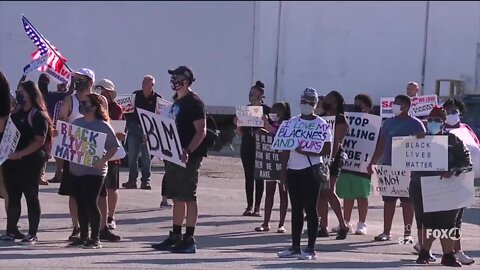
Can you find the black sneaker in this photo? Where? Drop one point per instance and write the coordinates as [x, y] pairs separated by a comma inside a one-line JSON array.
[[187, 245], [107, 235], [29, 240], [323, 232], [169, 243], [75, 234], [8, 237], [92, 244], [19, 235], [77, 243], [342, 234], [129, 185], [145, 185]]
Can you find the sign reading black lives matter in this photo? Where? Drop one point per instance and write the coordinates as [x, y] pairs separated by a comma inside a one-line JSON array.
[[267, 160], [427, 154], [162, 136]]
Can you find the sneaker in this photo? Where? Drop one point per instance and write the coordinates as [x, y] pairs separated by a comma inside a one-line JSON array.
[[107, 235], [29, 240], [417, 249], [77, 243], [464, 258], [256, 212], [75, 234], [383, 237], [18, 234], [361, 229], [129, 185], [248, 212], [290, 253], [342, 233], [111, 224], [423, 257], [308, 254], [449, 259], [92, 244], [323, 232], [145, 185], [187, 245], [9, 237], [167, 204], [168, 243]]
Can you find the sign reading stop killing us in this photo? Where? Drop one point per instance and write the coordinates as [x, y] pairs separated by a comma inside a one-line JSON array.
[[78, 145], [310, 136], [162, 136], [267, 160], [427, 154]]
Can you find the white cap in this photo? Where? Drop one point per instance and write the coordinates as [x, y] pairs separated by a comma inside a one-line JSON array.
[[106, 83], [85, 72]]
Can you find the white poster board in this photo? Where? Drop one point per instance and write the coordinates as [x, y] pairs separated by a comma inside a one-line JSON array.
[[442, 194], [127, 102], [118, 125], [310, 136], [427, 154], [78, 145], [10, 139], [390, 182], [361, 140], [162, 104], [331, 122], [162, 136], [249, 116], [420, 107], [466, 137]]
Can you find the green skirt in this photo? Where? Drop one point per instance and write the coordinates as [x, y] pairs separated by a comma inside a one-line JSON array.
[[350, 186]]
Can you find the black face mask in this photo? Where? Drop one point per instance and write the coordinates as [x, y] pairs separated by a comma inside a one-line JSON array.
[[326, 107], [81, 85], [20, 99], [357, 108], [176, 85]]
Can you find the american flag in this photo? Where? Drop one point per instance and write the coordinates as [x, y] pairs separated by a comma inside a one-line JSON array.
[[35, 36]]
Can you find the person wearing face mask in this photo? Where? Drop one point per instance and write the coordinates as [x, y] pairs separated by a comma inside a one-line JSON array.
[[352, 185], [402, 124], [303, 189], [280, 112], [247, 154], [35, 127], [458, 163], [145, 99], [455, 109], [334, 106], [189, 113]]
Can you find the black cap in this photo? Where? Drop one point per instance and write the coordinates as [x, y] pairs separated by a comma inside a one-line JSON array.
[[183, 70]]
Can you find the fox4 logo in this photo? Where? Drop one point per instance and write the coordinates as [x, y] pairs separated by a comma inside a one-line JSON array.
[[452, 234]]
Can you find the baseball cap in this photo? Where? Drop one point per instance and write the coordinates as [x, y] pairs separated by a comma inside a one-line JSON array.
[[183, 70], [85, 72], [106, 84], [310, 95]]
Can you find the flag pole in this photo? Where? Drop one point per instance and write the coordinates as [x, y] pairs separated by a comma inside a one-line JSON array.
[[48, 43]]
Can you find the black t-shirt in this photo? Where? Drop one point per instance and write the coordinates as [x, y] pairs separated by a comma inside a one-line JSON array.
[[187, 110], [248, 137], [39, 128], [144, 103]]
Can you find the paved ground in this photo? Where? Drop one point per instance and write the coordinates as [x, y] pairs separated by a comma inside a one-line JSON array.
[[226, 240]]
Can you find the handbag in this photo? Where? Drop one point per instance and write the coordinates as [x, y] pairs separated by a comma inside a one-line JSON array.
[[321, 172]]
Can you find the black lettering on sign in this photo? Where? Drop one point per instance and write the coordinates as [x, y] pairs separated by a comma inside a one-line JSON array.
[[267, 161], [153, 137], [170, 137]]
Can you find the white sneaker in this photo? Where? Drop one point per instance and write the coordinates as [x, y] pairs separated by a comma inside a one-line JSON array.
[[290, 253], [308, 255], [361, 229], [463, 258]]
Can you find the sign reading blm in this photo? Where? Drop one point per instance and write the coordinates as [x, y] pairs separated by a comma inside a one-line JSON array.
[[267, 160], [162, 136]]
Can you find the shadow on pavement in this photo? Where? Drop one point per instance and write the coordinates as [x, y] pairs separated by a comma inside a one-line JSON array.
[[337, 265]]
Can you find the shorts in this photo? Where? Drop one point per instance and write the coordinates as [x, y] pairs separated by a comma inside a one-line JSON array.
[[402, 199], [351, 186], [66, 183], [182, 182], [112, 180], [3, 191], [337, 164]]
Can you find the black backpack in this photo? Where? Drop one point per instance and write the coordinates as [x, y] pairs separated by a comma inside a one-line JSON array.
[[211, 138]]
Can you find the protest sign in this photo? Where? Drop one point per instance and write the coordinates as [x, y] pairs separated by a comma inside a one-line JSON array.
[[390, 182], [78, 145], [420, 107], [35, 64], [443, 194], [118, 125], [331, 122], [267, 160], [161, 105], [249, 116], [308, 135], [9, 142], [466, 136], [361, 140], [427, 154], [127, 102], [162, 136]]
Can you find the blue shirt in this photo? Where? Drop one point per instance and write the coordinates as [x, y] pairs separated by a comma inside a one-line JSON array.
[[398, 127]]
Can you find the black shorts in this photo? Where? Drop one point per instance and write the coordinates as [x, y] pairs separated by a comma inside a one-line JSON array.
[[66, 183], [402, 199], [181, 183], [112, 180]]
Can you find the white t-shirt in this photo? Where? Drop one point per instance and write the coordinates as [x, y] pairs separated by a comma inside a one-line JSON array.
[[298, 161]]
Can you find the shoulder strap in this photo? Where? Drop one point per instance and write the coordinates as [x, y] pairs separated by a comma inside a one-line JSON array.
[[309, 161]]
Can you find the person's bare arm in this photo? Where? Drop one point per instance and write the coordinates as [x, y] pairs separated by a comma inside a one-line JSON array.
[[200, 133], [65, 108], [341, 131], [377, 154]]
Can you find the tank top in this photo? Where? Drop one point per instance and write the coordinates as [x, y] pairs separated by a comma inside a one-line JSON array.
[[75, 114]]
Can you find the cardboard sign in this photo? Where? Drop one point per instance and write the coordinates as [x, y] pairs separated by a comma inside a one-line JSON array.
[[118, 125], [249, 116], [310, 136], [390, 182], [10, 139], [467, 138], [162, 104], [162, 136], [421, 106], [361, 140], [427, 154], [267, 160], [78, 145], [331, 122], [127, 102], [442, 194]]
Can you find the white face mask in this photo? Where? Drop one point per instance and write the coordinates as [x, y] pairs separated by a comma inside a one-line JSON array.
[[396, 109], [306, 109], [452, 119], [273, 116]]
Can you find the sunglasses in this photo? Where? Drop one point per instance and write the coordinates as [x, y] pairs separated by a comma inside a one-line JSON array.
[[434, 119], [307, 102]]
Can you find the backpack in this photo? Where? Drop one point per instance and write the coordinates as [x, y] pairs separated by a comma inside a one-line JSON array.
[[213, 133], [47, 146]]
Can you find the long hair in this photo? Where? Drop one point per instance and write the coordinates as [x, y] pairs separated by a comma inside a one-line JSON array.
[[36, 98], [284, 107], [340, 101], [97, 101], [5, 101]]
